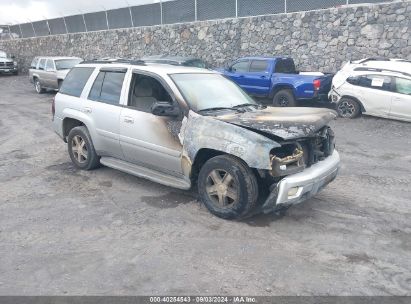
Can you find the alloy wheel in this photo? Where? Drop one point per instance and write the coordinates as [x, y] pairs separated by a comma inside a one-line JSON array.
[[222, 188], [346, 109], [79, 149]]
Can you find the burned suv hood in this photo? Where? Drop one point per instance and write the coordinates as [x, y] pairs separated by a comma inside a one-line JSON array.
[[286, 123]]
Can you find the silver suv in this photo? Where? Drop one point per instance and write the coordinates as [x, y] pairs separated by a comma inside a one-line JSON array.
[[181, 126], [49, 72]]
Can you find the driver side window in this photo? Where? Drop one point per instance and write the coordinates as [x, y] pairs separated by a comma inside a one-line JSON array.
[[240, 67], [145, 91]]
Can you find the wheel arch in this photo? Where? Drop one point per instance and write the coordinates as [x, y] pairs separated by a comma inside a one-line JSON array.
[[70, 123], [280, 87]]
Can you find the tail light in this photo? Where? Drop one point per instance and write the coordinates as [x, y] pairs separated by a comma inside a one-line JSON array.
[[317, 84], [53, 107]]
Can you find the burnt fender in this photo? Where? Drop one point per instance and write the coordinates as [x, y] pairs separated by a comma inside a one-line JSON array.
[[199, 132]]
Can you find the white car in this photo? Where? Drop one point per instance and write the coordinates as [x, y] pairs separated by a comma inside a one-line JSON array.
[[378, 87]]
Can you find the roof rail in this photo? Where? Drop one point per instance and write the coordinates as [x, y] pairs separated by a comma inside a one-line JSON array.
[[373, 59], [115, 60], [381, 70]]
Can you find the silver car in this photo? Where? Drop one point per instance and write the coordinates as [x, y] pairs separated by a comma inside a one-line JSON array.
[[49, 72], [182, 126]]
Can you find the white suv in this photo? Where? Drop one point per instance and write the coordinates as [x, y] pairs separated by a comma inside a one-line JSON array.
[[378, 87], [182, 126]]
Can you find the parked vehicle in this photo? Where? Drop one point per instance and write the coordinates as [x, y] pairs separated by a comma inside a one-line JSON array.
[[276, 78], [176, 60], [8, 65], [373, 86], [179, 126], [49, 72]]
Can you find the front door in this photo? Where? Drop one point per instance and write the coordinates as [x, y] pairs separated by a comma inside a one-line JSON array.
[[49, 75], [401, 100], [237, 72], [258, 80], [147, 139]]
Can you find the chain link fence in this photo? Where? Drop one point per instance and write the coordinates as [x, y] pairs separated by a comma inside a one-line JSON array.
[[166, 12]]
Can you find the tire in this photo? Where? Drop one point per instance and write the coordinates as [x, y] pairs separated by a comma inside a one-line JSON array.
[[37, 86], [227, 187], [86, 158], [284, 98], [348, 108]]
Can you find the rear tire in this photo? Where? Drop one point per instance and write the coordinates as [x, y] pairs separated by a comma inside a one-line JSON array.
[[284, 98], [37, 86], [227, 187], [348, 108], [81, 149]]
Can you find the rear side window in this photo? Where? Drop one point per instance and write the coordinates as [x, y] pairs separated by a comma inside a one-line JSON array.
[[378, 82], [33, 64], [75, 81], [259, 66], [42, 64], [285, 66], [107, 87], [403, 86]]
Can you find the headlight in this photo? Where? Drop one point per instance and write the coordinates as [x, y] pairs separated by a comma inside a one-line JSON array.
[[15, 62]]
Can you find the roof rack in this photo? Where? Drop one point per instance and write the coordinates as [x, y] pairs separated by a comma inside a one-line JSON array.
[[116, 60], [374, 59], [381, 70]]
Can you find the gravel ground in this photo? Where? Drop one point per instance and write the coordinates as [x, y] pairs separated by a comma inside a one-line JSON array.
[[70, 232]]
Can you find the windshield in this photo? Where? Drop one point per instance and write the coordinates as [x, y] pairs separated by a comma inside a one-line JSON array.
[[3, 54], [66, 64], [207, 91]]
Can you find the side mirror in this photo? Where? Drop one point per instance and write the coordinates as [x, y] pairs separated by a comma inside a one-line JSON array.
[[164, 108]]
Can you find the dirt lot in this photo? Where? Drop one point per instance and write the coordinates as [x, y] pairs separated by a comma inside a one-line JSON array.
[[69, 232]]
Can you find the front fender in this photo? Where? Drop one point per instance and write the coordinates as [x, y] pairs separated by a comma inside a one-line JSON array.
[[204, 132]]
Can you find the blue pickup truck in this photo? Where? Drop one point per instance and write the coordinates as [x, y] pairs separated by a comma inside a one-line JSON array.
[[276, 78]]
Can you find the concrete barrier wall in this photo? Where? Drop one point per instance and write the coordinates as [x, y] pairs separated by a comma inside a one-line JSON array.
[[317, 40]]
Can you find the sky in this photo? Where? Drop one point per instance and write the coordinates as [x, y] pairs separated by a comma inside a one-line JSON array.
[[22, 11]]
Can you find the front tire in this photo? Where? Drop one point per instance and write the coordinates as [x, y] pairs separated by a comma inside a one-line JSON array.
[[37, 86], [227, 187], [348, 108], [284, 98], [81, 149]]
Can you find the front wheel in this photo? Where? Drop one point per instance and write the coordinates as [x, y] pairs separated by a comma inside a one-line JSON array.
[[227, 187], [348, 108], [284, 98], [81, 149], [37, 86]]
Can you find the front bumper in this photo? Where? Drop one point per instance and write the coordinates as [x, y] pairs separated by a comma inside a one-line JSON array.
[[299, 187], [8, 69]]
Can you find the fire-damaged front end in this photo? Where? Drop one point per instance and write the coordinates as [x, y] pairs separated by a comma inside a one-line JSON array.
[[291, 149]]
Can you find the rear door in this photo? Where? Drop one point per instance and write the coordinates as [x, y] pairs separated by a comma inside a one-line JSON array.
[[103, 107], [238, 71], [401, 100]]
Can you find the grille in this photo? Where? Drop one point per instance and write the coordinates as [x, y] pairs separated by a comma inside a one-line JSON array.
[[6, 64], [319, 147]]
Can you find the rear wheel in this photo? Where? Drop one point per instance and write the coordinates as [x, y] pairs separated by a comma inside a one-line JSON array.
[[81, 149], [37, 86], [227, 187], [284, 98], [348, 108]]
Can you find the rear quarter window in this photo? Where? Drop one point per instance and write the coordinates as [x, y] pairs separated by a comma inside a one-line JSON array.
[[33, 64], [75, 81]]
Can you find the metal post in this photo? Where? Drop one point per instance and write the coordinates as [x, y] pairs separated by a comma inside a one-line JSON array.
[[65, 24], [84, 21], [131, 14], [195, 10], [34, 31], [236, 8], [21, 32], [161, 12], [48, 26], [348, 2], [108, 24], [285, 6], [11, 36]]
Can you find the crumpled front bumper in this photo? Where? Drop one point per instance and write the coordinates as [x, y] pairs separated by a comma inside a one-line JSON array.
[[299, 187]]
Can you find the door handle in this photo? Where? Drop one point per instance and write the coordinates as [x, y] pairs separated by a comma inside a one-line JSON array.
[[87, 110], [241, 76], [128, 120], [263, 77]]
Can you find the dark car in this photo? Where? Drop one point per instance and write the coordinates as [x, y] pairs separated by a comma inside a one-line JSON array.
[[176, 60]]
